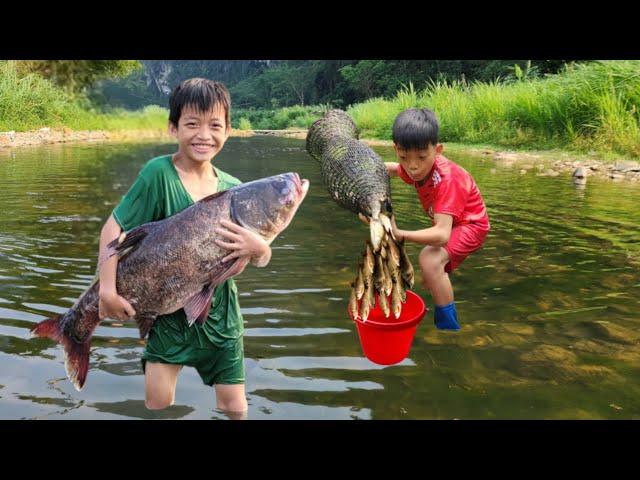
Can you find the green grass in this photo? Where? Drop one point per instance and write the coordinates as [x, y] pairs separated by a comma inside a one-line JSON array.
[[31, 102], [150, 117], [587, 107], [244, 124], [296, 116], [591, 107]]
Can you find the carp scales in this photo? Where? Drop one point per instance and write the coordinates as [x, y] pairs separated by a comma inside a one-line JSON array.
[[353, 173]]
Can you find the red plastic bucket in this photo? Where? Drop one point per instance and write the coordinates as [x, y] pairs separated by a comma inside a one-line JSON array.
[[386, 341]]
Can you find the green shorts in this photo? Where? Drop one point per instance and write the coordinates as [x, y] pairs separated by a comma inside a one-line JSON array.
[[215, 365]]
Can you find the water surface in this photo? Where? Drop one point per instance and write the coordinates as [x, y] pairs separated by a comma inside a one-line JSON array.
[[549, 308]]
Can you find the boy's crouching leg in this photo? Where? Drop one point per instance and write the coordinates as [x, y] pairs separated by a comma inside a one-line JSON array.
[[432, 265], [232, 401], [435, 279], [160, 385]]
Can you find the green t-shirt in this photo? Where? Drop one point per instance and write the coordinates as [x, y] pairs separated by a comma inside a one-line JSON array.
[[156, 194]]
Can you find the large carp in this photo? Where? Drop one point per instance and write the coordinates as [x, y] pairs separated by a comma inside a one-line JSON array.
[[175, 263], [356, 178]]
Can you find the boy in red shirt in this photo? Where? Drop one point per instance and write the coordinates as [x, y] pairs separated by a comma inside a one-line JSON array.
[[449, 196]]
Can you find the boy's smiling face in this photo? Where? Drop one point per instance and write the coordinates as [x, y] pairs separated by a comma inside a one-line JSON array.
[[418, 162], [200, 135]]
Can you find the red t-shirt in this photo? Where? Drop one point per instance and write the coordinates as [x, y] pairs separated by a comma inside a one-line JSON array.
[[450, 189]]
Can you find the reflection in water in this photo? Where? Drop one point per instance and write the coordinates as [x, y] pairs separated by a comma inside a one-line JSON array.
[[549, 307]]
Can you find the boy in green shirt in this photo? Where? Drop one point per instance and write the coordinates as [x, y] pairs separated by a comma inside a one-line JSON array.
[[199, 118]]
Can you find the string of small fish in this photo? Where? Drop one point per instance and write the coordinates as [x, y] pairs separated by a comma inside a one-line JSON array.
[[385, 269], [357, 179]]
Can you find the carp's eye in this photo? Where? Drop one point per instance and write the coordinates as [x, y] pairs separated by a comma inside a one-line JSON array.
[[285, 191]]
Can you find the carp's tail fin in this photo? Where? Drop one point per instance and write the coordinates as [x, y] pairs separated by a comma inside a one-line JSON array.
[[76, 361]]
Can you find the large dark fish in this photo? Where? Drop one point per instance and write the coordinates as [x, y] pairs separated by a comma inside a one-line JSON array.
[[356, 178], [354, 174], [174, 263]]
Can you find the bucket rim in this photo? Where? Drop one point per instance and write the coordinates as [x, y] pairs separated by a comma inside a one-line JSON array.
[[395, 325]]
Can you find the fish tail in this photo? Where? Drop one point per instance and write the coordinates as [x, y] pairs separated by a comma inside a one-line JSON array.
[[76, 355]]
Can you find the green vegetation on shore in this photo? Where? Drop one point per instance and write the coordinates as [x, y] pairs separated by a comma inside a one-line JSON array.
[[30, 102], [587, 107], [593, 107], [279, 119]]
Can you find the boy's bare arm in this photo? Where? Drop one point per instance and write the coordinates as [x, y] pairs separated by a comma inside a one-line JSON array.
[[392, 168], [438, 235], [111, 304]]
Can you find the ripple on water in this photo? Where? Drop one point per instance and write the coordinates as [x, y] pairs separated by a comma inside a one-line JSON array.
[[69, 218], [291, 332]]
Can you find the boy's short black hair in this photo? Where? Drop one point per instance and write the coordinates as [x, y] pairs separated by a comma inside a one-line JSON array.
[[201, 94], [415, 128]]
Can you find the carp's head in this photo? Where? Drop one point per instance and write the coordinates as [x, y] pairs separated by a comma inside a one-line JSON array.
[[267, 206]]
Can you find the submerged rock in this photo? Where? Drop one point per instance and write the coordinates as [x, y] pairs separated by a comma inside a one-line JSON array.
[[580, 173], [626, 166]]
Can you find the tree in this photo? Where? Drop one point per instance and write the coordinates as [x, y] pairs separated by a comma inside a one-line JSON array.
[[77, 75]]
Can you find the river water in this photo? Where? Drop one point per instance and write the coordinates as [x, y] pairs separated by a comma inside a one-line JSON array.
[[550, 307]]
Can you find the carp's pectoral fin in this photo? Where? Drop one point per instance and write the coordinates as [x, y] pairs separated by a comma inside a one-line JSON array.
[[130, 242], [144, 325], [197, 307]]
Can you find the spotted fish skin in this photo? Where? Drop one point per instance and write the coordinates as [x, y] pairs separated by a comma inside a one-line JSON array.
[[353, 173]]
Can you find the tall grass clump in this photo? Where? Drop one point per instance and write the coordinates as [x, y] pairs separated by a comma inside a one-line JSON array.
[[31, 102], [244, 124], [296, 116]]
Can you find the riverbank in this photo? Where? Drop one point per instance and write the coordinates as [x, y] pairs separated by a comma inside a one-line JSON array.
[[45, 136], [544, 163], [549, 163]]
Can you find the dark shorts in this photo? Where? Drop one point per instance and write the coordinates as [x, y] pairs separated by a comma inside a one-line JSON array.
[[464, 240], [222, 366]]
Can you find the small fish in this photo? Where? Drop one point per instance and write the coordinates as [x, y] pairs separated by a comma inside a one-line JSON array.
[[393, 269], [378, 274], [384, 250], [406, 268], [388, 283], [394, 251], [369, 261], [377, 234], [365, 306], [386, 223], [396, 300], [359, 283], [384, 304], [405, 286], [402, 290], [353, 302]]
